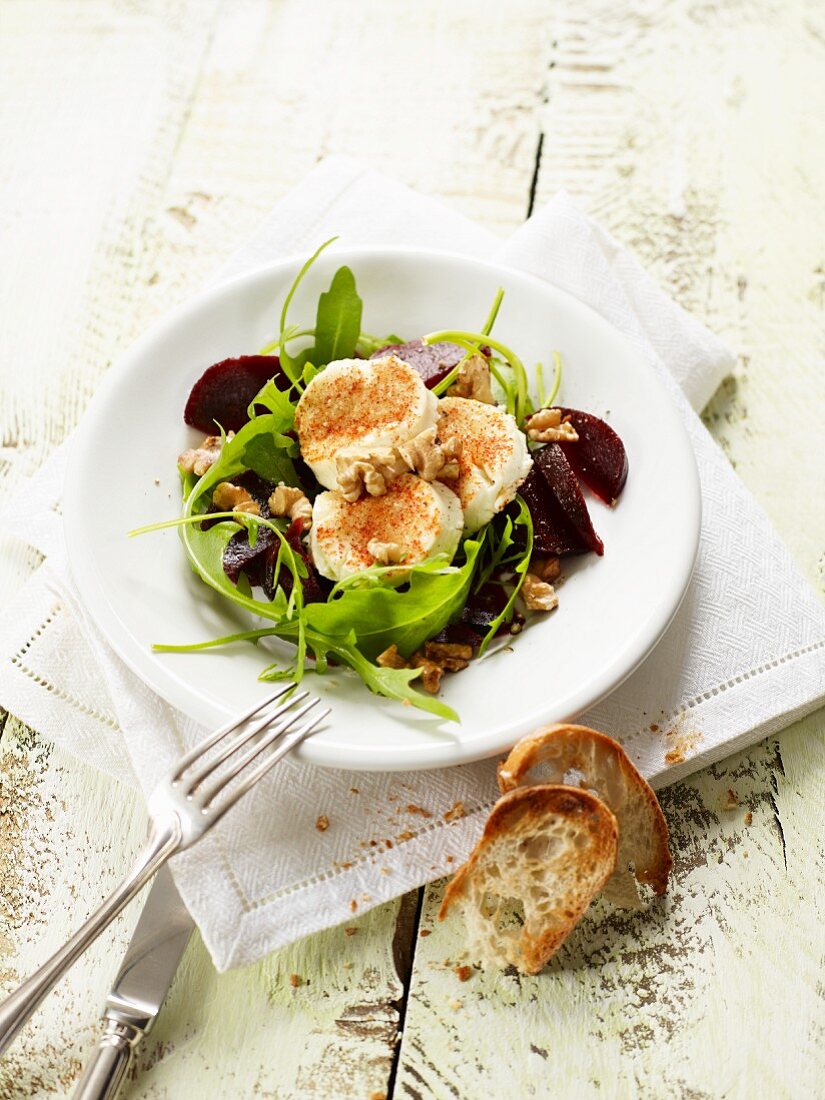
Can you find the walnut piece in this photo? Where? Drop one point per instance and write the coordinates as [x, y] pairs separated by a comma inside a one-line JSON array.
[[547, 426], [431, 675], [429, 458], [287, 500], [451, 656], [197, 460], [367, 470], [546, 569], [537, 594], [434, 659], [473, 381], [233, 498], [391, 658], [386, 553]]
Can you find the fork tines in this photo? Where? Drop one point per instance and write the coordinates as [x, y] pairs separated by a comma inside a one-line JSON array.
[[276, 724]]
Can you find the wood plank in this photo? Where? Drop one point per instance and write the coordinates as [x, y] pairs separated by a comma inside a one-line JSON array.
[[660, 120], [220, 113]]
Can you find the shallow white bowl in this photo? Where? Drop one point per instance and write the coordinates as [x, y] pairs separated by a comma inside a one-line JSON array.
[[612, 609]]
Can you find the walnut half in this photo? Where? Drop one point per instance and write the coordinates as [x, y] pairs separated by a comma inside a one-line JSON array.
[[367, 470], [547, 426], [197, 460], [473, 381], [289, 501], [233, 498], [537, 594], [386, 553], [429, 459]]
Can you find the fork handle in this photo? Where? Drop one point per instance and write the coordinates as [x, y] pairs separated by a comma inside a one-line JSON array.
[[163, 840]]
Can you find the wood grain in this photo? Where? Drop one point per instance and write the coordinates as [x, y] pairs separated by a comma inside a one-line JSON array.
[[144, 139]]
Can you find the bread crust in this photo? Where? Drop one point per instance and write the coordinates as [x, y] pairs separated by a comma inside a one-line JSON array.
[[604, 767], [578, 859]]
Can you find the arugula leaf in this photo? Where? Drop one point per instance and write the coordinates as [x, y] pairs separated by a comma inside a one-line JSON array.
[[277, 402], [523, 519], [261, 446], [471, 341], [383, 616], [338, 322], [288, 362], [393, 683]]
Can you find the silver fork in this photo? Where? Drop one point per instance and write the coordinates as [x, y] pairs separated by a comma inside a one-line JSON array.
[[183, 806]]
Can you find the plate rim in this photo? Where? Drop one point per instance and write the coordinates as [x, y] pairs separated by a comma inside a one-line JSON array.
[[394, 757]]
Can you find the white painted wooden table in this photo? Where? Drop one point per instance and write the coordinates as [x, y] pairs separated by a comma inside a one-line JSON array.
[[141, 141]]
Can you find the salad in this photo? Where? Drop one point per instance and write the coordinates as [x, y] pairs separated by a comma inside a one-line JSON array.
[[390, 505]]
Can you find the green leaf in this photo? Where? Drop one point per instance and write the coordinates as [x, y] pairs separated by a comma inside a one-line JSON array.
[[523, 519], [261, 446], [277, 402], [382, 616], [338, 323]]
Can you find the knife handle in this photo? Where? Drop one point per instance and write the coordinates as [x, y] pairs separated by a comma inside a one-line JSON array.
[[107, 1067]]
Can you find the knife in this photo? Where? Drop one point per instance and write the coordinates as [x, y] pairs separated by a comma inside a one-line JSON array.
[[147, 970]]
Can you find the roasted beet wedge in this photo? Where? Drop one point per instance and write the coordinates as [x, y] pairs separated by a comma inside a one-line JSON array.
[[432, 361], [552, 533], [484, 607], [223, 392], [316, 588], [560, 479], [599, 457]]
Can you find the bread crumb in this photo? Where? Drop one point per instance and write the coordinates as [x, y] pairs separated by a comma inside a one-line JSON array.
[[730, 800], [749, 818], [413, 809], [456, 811], [464, 973], [456, 1005], [366, 897], [353, 905], [350, 931], [157, 481], [406, 835], [386, 871], [322, 824], [450, 859], [378, 1095], [354, 790], [424, 932], [654, 728], [295, 980], [347, 965]]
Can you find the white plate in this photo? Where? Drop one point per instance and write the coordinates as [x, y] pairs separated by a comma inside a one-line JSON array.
[[612, 609]]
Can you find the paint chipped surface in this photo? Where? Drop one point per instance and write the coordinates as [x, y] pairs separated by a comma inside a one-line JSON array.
[[660, 118]]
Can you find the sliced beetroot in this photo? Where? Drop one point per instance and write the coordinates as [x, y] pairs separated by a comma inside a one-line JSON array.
[[460, 634], [316, 588], [599, 457], [432, 361], [552, 533], [484, 607], [224, 391], [239, 557], [561, 480]]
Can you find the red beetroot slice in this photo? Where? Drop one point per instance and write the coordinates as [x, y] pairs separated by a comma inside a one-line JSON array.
[[599, 457], [561, 481], [316, 588], [223, 392], [432, 361], [552, 533], [484, 607], [460, 634]]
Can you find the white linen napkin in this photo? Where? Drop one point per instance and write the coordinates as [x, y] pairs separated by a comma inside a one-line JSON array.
[[744, 657]]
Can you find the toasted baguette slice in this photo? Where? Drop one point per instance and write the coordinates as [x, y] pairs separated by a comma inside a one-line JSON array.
[[585, 758], [550, 849]]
